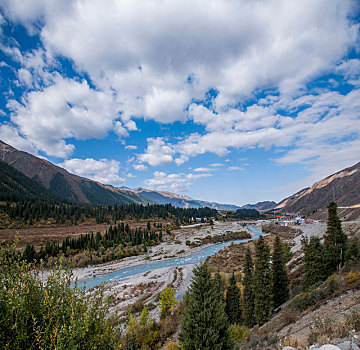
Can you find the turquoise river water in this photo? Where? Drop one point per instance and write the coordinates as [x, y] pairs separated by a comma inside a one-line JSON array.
[[195, 258]]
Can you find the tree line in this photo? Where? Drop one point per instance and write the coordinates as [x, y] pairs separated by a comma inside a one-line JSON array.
[[30, 212], [118, 236]]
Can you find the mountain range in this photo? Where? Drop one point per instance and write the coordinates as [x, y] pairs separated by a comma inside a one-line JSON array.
[[182, 201], [48, 180], [79, 189], [64, 184]]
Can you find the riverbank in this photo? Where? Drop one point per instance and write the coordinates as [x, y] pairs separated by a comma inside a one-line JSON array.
[[174, 246], [135, 282]]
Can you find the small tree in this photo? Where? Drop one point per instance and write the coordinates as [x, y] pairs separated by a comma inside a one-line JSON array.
[[248, 290], [314, 261], [280, 279], [233, 302], [167, 301], [334, 240], [262, 282], [204, 322]]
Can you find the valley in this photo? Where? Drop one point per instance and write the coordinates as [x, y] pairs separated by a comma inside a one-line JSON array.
[[138, 249]]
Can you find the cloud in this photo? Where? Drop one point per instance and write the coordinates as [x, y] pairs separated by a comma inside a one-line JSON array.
[[173, 182], [159, 63], [203, 170], [216, 164], [157, 153], [350, 69], [235, 168], [9, 134], [306, 127], [159, 59], [131, 147], [166, 106], [67, 109], [120, 130], [103, 170], [140, 167]]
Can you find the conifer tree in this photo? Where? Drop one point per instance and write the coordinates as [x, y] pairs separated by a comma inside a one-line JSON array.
[[262, 282], [280, 279], [204, 322], [233, 302], [314, 261], [219, 285], [334, 240], [249, 320]]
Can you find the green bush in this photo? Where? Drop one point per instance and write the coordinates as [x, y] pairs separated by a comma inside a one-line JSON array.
[[50, 314]]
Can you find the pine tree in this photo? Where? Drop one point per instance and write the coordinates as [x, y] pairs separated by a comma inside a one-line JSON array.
[[233, 302], [334, 240], [204, 322], [280, 279], [249, 320], [219, 285], [262, 282], [314, 261]]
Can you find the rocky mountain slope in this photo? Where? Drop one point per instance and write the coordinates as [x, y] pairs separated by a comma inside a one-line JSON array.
[[343, 185], [65, 184], [179, 200]]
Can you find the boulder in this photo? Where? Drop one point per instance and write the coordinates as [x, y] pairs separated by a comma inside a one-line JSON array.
[[346, 346], [329, 347]]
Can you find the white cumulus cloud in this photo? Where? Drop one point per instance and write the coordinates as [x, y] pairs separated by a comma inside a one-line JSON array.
[[173, 182], [105, 171]]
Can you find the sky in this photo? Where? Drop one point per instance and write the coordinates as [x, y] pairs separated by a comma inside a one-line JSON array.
[[234, 101]]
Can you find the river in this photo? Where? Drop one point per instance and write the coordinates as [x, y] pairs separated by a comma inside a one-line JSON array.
[[194, 258]]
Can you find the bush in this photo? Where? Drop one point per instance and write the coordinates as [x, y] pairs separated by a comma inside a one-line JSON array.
[[289, 317], [238, 333], [51, 314]]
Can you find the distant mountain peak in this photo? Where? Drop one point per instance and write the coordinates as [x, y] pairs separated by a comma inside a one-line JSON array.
[[181, 200]]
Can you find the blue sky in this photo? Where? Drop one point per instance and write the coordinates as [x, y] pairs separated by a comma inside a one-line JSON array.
[[228, 101]]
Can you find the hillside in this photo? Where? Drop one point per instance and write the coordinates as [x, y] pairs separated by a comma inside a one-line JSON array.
[[15, 186], [344, 185], [64, 184], [181, 201]]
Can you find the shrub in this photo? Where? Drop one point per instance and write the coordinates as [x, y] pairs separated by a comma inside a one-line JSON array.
[[238, 333], [290, 341], [51, 314], [172, 346], [352, 277], [289, 317]]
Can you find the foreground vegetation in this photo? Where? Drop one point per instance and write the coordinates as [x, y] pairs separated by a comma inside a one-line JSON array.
[[49, 315], [218, 311]]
